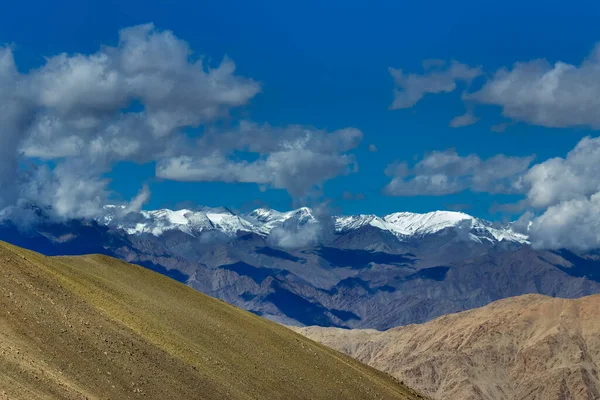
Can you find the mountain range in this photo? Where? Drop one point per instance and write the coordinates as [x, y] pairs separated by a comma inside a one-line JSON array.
[[307, 267], [528, 347], [264, 221]]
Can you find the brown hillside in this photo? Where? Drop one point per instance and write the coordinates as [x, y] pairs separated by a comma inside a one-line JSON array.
[[95, 327], [526, 347]]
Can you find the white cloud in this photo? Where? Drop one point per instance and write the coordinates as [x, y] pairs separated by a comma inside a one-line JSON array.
[[13, 118], [537, 92], [566, 193], [572, 224], [135, 101], [463, 120], [83, 101], [86, 112], [552, 95], [561, 179], [410, 88], [70, 190], [445, 172], [294, 158]]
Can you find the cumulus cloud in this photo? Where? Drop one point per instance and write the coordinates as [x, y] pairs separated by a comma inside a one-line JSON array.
[[294, 158], [445, 172], [77, 115], [70, 190], [561, 179], [463, 120], [83, 112], [84, 102], [572, 224], [566, 194], [541, 93], [538, 92], [265, 138], [13, 119], [152, 67], [438, 78]]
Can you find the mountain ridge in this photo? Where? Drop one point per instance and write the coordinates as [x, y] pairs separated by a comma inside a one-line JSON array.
[[262, 221], [307, 271]]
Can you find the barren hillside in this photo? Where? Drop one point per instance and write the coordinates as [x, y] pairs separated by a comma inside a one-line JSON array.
[[95, 327], [526, 347]]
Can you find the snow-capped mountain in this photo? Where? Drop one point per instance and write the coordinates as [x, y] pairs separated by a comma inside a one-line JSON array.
[[419, 225], [157, 222], [266, 219], [304, 267], [262, 221]]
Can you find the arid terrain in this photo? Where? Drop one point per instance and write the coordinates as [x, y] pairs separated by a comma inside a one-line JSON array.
[[526, 347], [95, 327]]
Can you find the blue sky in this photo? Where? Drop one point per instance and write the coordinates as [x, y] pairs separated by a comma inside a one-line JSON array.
[[327, 66]]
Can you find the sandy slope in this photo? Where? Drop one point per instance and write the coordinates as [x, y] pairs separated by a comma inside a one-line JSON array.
[[95, 327], [526, 347]]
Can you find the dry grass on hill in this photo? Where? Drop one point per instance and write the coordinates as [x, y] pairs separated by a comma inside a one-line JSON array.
[[95, 327]]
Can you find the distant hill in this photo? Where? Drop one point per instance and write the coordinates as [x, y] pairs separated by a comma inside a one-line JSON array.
[[95, 327], [527, 347]]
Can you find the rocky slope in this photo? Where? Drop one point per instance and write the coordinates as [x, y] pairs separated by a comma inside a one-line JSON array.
[[96, 327], [526, 347]]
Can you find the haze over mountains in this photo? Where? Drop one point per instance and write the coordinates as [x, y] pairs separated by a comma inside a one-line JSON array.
[[96, 327], [306, 267], [529, 347]]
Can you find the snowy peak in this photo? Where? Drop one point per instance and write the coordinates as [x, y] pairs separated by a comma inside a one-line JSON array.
[[193, 222], [262, 221], [157, 222], [352, 222], [406, 225], [411, 224], [265, 215], [267, 219], [301, 216], [420, 225]]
